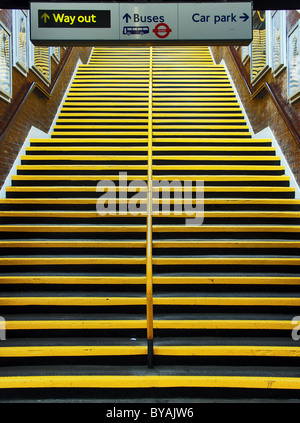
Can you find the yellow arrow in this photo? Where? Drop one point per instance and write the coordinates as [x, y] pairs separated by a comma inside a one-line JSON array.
[[45, 17]]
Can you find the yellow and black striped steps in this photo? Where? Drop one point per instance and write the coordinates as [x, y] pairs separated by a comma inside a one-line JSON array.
[[241, 305], [73, 283]]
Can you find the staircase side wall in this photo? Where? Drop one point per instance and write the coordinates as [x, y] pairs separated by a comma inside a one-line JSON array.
[[262, 113], [38, 111]]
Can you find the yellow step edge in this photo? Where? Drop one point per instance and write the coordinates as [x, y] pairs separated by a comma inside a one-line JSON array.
[[221, 244], [184, 92], [210, 148], [111, 95], [207, 214], [143, 201], [225, 301], [220, 189], [78, 157], [200, 134], [157, 324], [143, 157], [245, 261], [142, 244], [197, 109], [232, 178], [219, 178], [138, 114], [74, 280], [105, 120], [103, 104], [74, 177], [150, 381], [126, 76], [224, 324], [201, 139], [213, 140], [72, 244], [74, 324], [163, 98], [91, 350], [75, 201], [211, 71], [203, 84], [188, 106], [204, 157], [110, 90], [226, 280], [70, 189], [71, 301], [167, 188], [179, 61], [101, 110], [186, 114], [225, 350], [89, 140], [274, 168], [166, 280], [113, 62], [83, 127], [226, 228], [188, 121], [83, 149], [120, 301], [228, 95], [109, 84], [26, 261], [72, 351], [72, 228], [116, 132], [234, 201], [250, 201], [111, 59], [161, 76], [121, 167], [157, 120], [112, 71]]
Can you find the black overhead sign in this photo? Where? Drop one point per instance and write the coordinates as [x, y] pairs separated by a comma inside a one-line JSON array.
[[74, 18]]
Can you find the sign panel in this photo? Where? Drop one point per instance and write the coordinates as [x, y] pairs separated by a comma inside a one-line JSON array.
[[74, 19], [148, 21], [215, 21], [157, 23], [73, 23]]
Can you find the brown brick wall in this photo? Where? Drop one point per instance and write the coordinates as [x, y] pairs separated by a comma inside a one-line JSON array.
[[39, 110], [261, 110]]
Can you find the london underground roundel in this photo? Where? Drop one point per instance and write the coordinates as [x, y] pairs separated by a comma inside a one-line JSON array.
[[162, 30]]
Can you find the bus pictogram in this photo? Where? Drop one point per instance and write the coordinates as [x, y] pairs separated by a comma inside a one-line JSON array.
[[135, 30]]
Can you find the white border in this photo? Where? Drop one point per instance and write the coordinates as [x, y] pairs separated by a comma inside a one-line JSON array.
[[266, 133], [3, 94], [35, 133], [296, 95], [283, 39], [265, 69], [17, 13], [35, 69]]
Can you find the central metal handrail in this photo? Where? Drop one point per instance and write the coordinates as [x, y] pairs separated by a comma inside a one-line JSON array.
[[149, 283]]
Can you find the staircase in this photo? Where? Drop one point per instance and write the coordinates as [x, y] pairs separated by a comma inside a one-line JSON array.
[[85, 264]]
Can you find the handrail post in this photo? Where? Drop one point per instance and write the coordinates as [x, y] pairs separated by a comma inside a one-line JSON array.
[[149, 287]]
